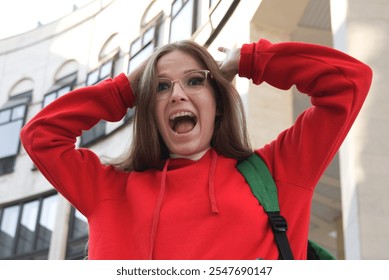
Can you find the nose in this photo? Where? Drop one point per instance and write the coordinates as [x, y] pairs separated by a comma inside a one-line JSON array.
[[178, 93]]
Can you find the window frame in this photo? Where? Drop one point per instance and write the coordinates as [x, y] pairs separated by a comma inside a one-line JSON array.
[[214, 7], [66, 82], [142, 43], [35, 253], [7, 162], [98, 131], [195, 12], [76, 242]]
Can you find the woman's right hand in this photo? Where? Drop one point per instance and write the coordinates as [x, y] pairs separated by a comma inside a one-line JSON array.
[[135, 75]]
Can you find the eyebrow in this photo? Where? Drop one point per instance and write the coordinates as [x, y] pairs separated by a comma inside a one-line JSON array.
[[163, 75]]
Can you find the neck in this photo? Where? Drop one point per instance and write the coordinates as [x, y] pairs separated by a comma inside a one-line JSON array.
[[196, 156]]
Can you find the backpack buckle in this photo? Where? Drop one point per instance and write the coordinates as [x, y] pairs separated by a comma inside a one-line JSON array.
[[278, 223]]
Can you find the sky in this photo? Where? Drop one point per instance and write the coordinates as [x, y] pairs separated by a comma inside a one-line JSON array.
[[19, 16]]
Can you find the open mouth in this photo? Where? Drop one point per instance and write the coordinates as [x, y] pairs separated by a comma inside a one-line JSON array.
[[182, 122]]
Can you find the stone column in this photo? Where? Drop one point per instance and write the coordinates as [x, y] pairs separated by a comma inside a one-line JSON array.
[[360, 28], [59, 238]]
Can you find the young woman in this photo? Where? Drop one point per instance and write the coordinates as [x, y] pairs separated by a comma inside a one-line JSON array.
[[178, 194]]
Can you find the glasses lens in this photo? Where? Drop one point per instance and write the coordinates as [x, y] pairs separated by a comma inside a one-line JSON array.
[[194, 81], [163, 88]]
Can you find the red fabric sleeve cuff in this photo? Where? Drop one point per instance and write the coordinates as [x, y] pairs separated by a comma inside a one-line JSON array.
[[125, 90], [246, 60]]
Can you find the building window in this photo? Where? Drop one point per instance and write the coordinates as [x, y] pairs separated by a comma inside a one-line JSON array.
[[12, 118], [99, 130], [77, 245], [212, 3], [143, 46], [61, 87], [26, 228], [184, 21], [101, 73], [219, 13]]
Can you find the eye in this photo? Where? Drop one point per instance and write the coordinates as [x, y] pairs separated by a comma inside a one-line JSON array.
[[163, 86], [195, 80]]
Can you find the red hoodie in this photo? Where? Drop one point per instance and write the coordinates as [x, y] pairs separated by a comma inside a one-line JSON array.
[[202, 209]]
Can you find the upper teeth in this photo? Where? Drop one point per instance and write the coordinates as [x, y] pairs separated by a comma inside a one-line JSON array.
[[181, 114]]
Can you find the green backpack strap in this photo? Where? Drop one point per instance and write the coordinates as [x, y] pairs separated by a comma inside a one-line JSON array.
[[261, 182], [316, 252], [264, 189]]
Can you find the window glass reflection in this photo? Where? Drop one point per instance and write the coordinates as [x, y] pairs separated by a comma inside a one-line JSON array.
[[77, 246], [30, 215], [8, 226], [11, 121], [176, 6], [140, 57], [18, 112], [49, 98], [136, 46], [149, 35], [93, 77], [62, 91], [47, 221], [80, 225], [5, 116], [10, 138], [106, 70], [181, 26], [26, 228], [9, 220], [25, 240]]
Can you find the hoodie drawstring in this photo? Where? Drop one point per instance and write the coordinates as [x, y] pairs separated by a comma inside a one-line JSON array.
[[211, 183], [158, 209]]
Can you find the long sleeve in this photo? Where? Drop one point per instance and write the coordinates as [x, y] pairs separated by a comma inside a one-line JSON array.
[[50, 137], [337, 85]]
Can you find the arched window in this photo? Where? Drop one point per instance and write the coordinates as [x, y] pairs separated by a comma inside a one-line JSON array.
[[65, 80], [12, 118], [150, 37], [107, 57]]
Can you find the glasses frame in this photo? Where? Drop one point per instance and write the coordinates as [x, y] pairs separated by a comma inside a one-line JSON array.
[[168, 93]]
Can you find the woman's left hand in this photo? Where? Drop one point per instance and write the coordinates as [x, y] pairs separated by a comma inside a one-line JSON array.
[[230, 65]]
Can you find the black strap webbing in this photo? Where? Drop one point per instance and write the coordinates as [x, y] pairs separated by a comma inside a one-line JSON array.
[[264, 189], [279, 227]]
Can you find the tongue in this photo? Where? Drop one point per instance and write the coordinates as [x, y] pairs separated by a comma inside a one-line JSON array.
[[183, 126]]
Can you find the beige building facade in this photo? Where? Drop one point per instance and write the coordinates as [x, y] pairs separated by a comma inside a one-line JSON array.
[[107, 37]]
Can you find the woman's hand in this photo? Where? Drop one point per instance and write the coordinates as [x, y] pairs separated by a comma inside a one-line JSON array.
[[230, 65], [135, 75]]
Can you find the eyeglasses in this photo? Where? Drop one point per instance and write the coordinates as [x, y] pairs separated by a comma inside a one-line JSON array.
[[192, 82]]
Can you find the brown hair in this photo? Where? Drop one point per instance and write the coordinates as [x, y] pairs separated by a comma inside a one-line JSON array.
[[230, 137]]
